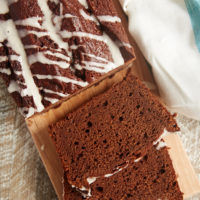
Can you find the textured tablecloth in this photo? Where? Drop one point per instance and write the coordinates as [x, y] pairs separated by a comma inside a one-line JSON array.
[[22, 175]]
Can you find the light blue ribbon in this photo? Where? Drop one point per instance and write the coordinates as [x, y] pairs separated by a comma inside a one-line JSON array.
[[193, 7]]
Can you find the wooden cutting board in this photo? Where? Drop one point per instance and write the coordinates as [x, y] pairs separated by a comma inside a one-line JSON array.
[[38, 126]]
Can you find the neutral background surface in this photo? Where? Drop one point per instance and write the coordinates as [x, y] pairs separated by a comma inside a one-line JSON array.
[[22, 175]]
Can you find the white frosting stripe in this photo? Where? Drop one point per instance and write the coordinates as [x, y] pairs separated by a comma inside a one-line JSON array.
[[40, 57], [114, 49], [24, 33], [159, 143], [51, 100], [3, 58], [31, 21], [61, 78], [5, 71], [3, 8], [97, 58], [8, 31], [98, 67], [58, 55], [108, 18], [84, 3], [48, 24], [88, 17], [13, 87], [67, 34], [53, 92]]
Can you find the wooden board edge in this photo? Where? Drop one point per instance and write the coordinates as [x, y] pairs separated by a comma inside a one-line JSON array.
[[186, 176], [53, 169]]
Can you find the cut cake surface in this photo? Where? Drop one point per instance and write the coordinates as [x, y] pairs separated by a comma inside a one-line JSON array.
[[151, 178], [114, 128]]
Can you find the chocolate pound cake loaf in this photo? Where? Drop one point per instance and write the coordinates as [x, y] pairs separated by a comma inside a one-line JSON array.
[[50, 49], [114, 129], [150, 178]]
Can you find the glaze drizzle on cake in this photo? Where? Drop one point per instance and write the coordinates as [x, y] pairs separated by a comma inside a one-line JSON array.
[[51, 49]]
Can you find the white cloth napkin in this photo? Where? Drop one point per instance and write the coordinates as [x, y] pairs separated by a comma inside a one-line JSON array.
[[163, 31]]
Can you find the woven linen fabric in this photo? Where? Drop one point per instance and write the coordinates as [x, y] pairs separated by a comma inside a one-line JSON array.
[[22, 175]]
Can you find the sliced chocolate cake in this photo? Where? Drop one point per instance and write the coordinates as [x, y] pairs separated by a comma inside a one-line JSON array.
[[107, 133], [51, 49], [151, 177]]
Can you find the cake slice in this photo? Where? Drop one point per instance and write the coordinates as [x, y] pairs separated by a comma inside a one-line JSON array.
[[152, 177], [51, 49], [114, 128]]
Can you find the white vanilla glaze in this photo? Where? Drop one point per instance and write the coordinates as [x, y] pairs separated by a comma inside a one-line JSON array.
[[51, 100], [61, 78], [30, 111], [8, 31], [165, 133], [30, 46], [97, 58], [68, 34], [123, 44], [5, 71], [4, 7], [88, 17], [109, 18], [98, 67], [40, 57], [53, 92], [49, 26], [138, 159], [114, 49], [118, 169], [161, 145], [91, 180], [31, 21], [13, 87], [3, 58], [24, 33], [58, 55], [84, 3]]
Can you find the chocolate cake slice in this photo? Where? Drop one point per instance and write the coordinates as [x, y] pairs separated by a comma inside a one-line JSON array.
[[152, 177], [114, 128], [51, 49]]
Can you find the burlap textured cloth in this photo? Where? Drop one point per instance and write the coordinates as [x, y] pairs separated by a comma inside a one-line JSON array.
[[22, 175]]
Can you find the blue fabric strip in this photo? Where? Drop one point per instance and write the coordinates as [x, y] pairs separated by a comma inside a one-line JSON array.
[[193, 7]]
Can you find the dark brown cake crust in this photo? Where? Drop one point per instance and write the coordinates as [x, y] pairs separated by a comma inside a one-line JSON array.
[[108, 131], [152, 178]]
